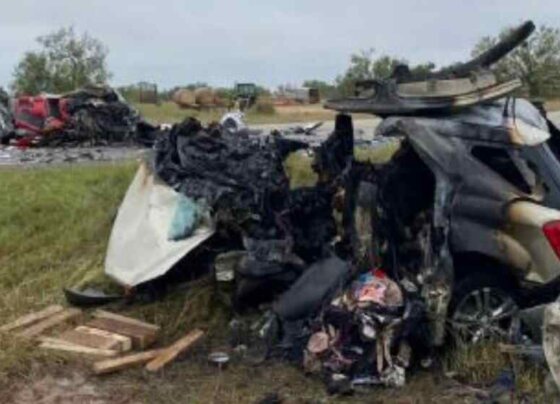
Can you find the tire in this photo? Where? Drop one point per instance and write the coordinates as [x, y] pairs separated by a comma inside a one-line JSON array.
[[484, 307]]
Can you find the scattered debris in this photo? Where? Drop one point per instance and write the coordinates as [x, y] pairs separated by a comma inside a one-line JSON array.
[[89, 297], [35, 156], [107, 334], [220, 359]]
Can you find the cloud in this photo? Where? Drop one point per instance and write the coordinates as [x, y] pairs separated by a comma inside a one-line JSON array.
[[175, 41]]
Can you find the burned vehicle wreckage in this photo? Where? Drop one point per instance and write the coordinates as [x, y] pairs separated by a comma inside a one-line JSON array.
[[89, 116], [369, 269]]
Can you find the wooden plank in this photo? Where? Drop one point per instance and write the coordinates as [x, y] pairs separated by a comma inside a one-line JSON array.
[[129, 320], [53, 340], [124, 362], [171, 352], [50, 322], [124, 342], [141, 337], [56, 344], [90, 340], [32, 318]]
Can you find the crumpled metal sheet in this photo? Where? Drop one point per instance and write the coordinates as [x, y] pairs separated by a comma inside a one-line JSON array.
[[139, 248]]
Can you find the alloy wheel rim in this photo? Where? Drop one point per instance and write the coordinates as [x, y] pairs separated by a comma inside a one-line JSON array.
[[486, 314]]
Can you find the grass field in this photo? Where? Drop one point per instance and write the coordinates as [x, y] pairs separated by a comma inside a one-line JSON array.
[[169, 112], [54, 226]]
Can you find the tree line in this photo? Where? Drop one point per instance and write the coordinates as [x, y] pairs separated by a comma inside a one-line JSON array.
[[66, 60]]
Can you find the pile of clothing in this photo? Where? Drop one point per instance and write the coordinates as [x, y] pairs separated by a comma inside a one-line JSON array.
[[366, 334]]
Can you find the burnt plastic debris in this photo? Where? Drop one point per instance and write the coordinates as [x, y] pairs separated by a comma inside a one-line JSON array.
[[242, 179], [89, 297], [239, 173]]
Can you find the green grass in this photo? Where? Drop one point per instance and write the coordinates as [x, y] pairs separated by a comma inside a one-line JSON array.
[[169, 112], [54, 225], [302, 175], [480, 364]]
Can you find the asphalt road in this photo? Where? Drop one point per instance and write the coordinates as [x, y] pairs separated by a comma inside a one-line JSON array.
[[9, 157]]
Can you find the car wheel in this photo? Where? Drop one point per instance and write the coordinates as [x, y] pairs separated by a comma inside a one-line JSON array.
[[484, 307]]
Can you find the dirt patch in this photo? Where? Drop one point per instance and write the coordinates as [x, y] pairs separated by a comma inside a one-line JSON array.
[[73, 387]]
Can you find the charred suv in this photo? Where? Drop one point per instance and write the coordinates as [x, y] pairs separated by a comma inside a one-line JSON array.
[[359, 275], [469, 206]]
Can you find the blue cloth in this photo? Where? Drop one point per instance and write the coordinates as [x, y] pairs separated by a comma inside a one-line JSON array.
[[185, 219]]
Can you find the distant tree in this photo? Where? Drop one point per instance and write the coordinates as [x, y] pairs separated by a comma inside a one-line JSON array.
[[263, 91], [194, 86], [364, 66], [536, 63], [326, 90], [65, 61]]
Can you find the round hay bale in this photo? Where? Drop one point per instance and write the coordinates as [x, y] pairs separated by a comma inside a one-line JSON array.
[[205, 97], [184, 98]]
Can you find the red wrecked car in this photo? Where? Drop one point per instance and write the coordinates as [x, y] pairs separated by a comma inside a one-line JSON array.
[[92, 115]]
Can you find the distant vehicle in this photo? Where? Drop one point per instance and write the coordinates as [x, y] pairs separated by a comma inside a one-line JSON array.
[[245, 95], [89, 112]]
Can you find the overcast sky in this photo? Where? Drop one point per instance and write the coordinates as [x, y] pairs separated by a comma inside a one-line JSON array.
[[173, 42]]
